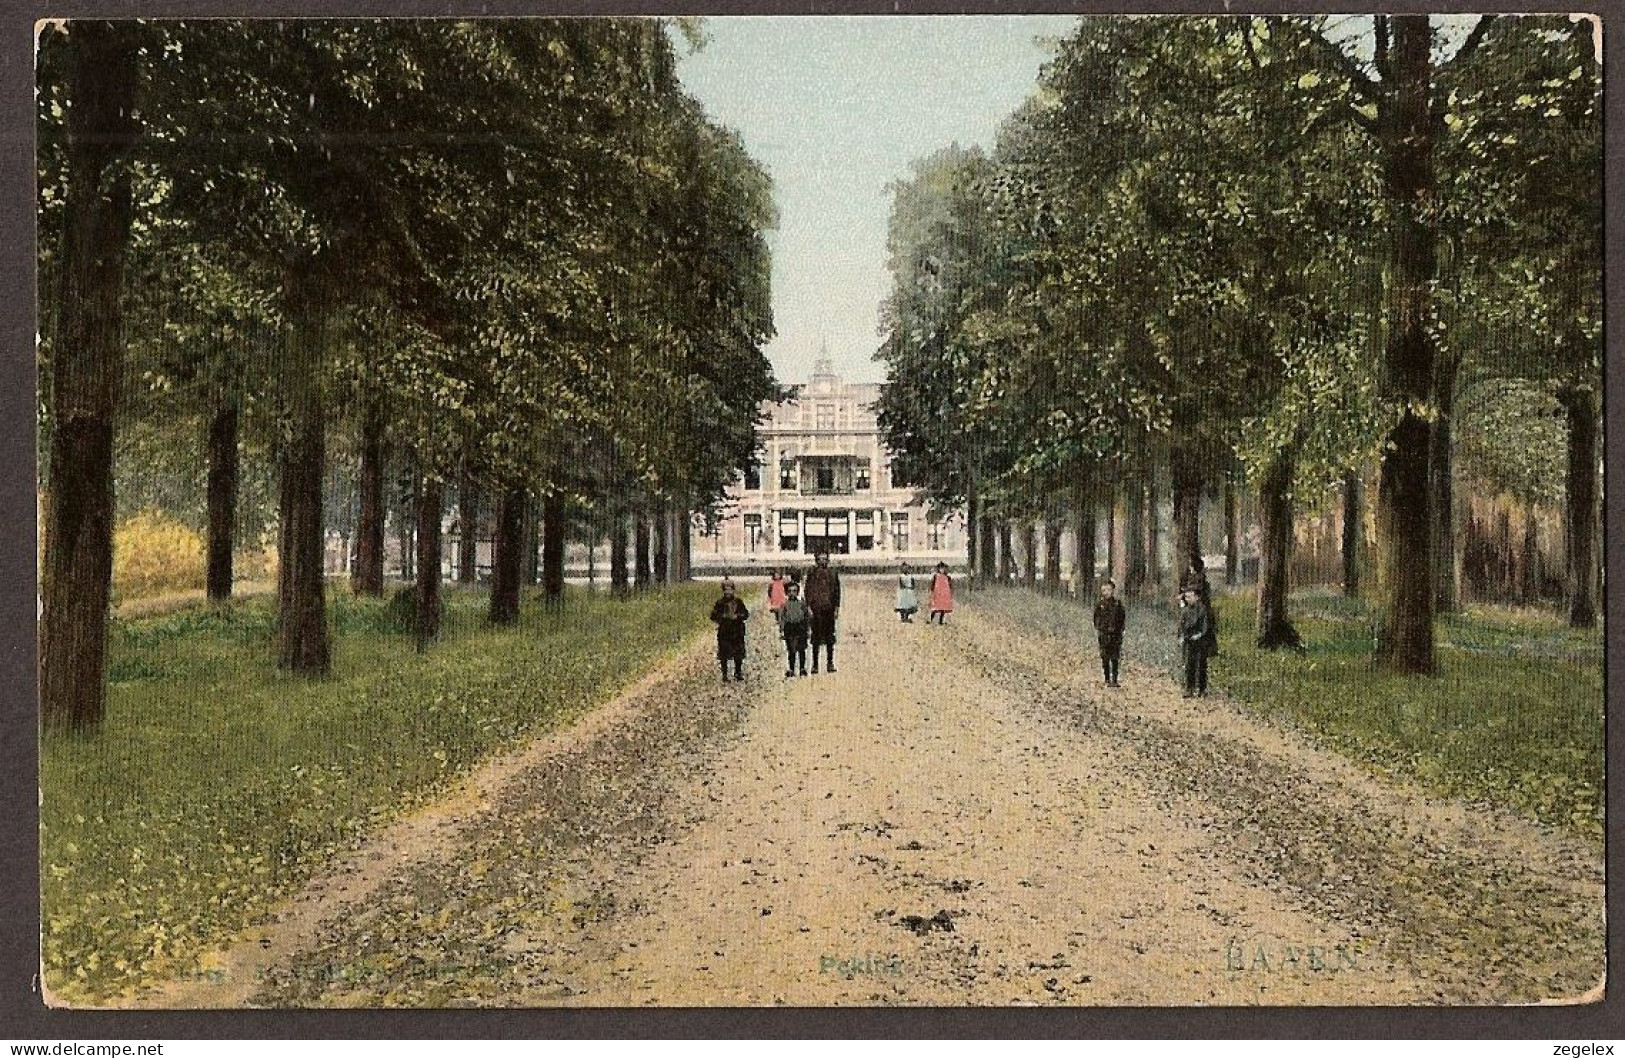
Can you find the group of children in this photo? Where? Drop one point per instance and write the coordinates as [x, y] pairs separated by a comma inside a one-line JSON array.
[[802, 621], [812, 620], [1198, 631], [942, 595]]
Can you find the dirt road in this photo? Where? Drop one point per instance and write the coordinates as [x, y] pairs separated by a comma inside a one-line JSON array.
[[959, 815]]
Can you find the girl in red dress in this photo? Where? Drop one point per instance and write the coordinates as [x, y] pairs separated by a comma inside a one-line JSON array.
[[942, 594]]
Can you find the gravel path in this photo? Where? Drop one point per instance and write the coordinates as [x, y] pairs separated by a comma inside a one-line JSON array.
[[959, 815]]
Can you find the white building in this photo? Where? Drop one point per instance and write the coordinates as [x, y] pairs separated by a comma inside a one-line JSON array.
[[824, 484]]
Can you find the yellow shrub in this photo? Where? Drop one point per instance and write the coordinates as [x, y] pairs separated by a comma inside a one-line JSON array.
[[153, 554]]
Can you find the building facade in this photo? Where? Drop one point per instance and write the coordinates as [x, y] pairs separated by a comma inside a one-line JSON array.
[[823, 483]]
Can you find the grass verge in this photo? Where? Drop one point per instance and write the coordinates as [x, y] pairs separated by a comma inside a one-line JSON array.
[[1514, 715], [218, 785]]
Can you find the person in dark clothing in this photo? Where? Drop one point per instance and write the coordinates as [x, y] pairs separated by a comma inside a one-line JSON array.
[[793, 620], [1195, 579], [1195, 641], [1110, 620], [823, 594], [730, 615]]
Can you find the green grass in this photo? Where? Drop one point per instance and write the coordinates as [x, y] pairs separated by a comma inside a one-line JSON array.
[[219, 785], [1514, 716]]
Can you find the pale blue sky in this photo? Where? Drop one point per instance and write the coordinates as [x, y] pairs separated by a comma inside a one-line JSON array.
[[836, 108]]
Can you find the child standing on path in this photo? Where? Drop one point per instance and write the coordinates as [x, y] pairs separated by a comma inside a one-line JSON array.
[[907, 602], [1110, 619], [1195, 640], [730, 615], [775, 592], [794, 618], [942, 594]]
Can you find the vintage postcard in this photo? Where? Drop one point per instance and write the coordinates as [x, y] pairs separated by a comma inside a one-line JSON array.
[[821, 511]]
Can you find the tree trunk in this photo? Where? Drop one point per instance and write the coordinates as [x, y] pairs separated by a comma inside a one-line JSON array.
[[662, 542], [987, 551], [1007, 553], [508, 558], [222, 501], [1188, 482], [1029, 550], [468, 530], [368, 578], [1580, 514], [1404, 501], [1506, 563], [87, 362], [1135, 574], [1351, 533], [1083, 538], [1529, 559], [1113, 566], [1444, 506], [973, 528], [302, 642], [1054, 526], [553, 548], [642, 573], [619, 581], [1232, 534], [1154, 529], [684, 533], [426, 612], [405, 518], [1275, 555]]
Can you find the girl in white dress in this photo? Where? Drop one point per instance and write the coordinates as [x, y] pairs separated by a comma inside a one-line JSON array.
[[907, 601]]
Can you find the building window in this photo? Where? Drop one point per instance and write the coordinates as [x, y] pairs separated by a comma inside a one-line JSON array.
[[753, 478], [826, 416], [899, 532], [933, 533], [753, 531], [862, 481], [787, 474], [865, 526], [826, 478]]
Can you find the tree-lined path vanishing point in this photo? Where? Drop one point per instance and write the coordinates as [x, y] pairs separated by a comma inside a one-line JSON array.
[[959, 815]]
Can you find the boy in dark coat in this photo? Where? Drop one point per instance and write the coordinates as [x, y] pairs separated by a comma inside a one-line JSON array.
[[1195, 640], [823, 595], [730, 615], [1110, 619], [1195, 579], [793, 620]]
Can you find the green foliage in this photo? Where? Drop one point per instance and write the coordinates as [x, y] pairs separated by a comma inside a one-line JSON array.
[[935, 247], [218, 786], [1124, 270], [1510, 430], [1522, 170], [523, 261], [1127, 267]]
